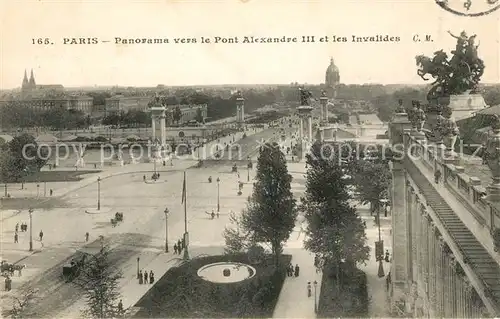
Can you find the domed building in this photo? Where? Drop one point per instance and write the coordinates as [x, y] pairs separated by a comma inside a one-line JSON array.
[[332, 79]]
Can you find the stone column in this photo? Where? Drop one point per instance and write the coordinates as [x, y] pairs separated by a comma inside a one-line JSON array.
[[425, 250], [399, 224], [301, 129], [440, 277], [153, 127], [309, 128], [454, 288], [432, 267]]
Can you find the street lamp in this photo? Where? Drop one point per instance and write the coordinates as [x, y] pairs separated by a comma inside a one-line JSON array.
[[37, 190], [381, 249], [31, 228], [5, 188], [315, 299], [218, 199], [166, 211], [138, 260], [248, 172], [98, 193]]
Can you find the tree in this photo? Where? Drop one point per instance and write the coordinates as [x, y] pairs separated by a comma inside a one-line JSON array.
[[372, 181], [199, 116], [177, 114], [99, 280], [21, 156], [21, 303], [335, 232], [270, 213]]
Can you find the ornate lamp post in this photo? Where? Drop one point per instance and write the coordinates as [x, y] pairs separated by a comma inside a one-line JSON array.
[[98, 193], [5, 189], [138, 260], [37, 190], [315, 297], [218, 197], [31, 228], [380, 243], [166, 211]]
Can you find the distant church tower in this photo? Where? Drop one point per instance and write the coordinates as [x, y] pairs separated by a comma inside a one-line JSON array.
[[25, 85], [28, 85], [32, 83], [332, 79]]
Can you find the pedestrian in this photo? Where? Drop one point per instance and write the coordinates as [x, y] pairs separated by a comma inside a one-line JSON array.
[[151, 277], [51, 192], [297, 270], [309, 289], [41, 235], [17, 227], [16, 238], [120, 307], [213, 214], [145, 277], [175, 248], [387, 256], [144, 177], [437, 176], [140, 277], [87, 236], [8, 283], [179, 246]]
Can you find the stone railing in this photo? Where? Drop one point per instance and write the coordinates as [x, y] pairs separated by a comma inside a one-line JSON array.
[[467, 189]]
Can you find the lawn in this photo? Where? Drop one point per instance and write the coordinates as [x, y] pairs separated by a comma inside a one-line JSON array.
[[350, 301], [57, 176], [180, 293]]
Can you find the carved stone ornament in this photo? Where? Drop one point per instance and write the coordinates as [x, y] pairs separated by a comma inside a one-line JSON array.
[[417, 116], [400, 109], [492, 152]]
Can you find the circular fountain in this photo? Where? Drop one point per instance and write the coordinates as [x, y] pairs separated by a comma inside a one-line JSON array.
[[226, 272]]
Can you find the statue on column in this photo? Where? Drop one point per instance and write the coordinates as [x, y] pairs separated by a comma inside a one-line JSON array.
[[305, 97]]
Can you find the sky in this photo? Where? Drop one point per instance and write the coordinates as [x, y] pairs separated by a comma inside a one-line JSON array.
[[217, 63]]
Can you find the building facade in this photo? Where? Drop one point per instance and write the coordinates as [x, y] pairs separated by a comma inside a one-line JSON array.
[[120, 103], [445, 218], [45, 97]]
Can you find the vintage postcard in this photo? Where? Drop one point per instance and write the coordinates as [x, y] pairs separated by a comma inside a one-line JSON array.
[[250, 158]]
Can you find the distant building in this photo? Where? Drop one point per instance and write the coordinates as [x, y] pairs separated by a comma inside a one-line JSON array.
[[120, 103], [332, 79], [189, 111], [48, 96]]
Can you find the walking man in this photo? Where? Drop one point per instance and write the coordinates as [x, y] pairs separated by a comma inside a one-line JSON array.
[[146, 277], [41, 235], [140, 277], [309, 289], [87, 236], [16, 238], [437, 176], [120, 307], [175, 248], [297, 269]]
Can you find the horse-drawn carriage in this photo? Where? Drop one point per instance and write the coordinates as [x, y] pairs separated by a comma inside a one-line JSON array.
[[118, 218], [8, 269]]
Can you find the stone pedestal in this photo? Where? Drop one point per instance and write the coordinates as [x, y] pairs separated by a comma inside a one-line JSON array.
[[240, 110]]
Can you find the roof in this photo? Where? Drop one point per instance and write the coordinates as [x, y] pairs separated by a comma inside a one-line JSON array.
[[490, 110]]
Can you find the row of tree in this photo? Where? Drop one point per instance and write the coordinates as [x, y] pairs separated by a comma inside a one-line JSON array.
[[335, 232], [59, 118]]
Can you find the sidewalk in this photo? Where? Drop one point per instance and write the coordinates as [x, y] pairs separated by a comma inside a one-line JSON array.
[[293, 301], [378, 306]]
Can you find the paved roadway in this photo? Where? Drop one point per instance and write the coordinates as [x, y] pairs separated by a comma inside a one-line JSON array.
[[141, 234]]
